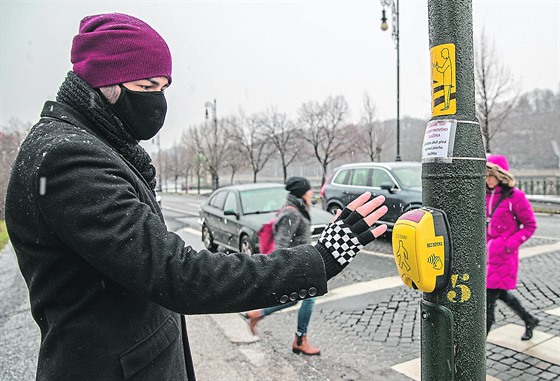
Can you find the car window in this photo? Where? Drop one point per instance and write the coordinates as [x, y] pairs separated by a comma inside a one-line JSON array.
[[342, 177], [360, 177], [410, 177], [379, 176], [262, 200], [231, 202], [218, 199]]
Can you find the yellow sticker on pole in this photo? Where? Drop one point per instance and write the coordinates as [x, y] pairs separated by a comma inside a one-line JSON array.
[[444, 84]]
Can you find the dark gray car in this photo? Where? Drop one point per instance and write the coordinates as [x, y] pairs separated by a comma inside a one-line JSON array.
[[232, 216], [400, 183]]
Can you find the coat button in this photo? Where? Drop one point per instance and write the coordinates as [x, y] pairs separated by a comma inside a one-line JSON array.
[[302, 294], [283, 299], [293, 296], [312, 291]]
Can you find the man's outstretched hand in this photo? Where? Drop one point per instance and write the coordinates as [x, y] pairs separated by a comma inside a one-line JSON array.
[[350, 232]]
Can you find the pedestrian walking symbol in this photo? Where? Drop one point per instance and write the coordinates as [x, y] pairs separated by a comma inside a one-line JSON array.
[[402, 257], [443, 80]]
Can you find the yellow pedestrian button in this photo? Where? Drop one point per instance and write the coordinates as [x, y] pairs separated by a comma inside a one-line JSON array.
[[422, 249], [444, 84]]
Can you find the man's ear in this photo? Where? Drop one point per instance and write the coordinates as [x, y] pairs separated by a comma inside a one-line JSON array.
[[111, 93]]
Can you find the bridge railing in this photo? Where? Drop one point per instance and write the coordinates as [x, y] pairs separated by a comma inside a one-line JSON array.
[[539, 185]]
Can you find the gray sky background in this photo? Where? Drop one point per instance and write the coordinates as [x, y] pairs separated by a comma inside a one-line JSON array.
[[259, 54]]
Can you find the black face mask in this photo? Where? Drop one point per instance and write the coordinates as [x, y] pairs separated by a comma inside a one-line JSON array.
[[143, 112]]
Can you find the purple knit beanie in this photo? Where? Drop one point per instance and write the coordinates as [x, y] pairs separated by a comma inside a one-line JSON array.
[[116, 48]]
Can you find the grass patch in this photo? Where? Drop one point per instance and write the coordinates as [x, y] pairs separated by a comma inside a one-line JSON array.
[[3, 234]]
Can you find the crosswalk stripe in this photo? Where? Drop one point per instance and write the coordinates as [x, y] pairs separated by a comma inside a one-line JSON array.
[[412, 369], [191, 231], [526, 252], [355, 289], [543, 345]]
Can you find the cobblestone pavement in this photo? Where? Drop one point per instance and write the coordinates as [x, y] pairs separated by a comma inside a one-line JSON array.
[[363, 341]]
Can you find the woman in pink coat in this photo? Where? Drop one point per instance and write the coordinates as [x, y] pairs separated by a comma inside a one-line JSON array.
[[509, 222]]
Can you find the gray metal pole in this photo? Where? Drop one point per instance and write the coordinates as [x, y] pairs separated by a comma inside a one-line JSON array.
[[397, 42], [394, 5], [453, 172], [216, 179]]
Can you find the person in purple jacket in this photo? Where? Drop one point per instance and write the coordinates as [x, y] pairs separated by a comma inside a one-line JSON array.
[[509, 222]]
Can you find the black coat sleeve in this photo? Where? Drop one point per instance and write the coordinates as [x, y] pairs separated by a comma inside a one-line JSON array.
[[92, 201]]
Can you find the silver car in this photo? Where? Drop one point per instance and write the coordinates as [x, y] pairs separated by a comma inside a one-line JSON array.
[[400, 182]]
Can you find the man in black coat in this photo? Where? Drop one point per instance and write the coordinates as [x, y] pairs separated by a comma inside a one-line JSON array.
[[108, 283]]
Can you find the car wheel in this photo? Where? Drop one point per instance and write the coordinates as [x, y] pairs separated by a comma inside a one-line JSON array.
[[332, 209], [245, 246], [208, 239]]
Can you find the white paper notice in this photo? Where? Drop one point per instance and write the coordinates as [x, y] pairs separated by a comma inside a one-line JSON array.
[[438, 140]]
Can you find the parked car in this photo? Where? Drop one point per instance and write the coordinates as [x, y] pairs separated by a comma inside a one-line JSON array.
[[232, 216], [400, 183]]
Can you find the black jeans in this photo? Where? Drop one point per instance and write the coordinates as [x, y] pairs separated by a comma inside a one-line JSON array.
[[492, 296]]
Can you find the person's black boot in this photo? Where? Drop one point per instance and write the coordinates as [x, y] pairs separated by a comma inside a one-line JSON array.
[[530, 321], [530, 324], [490, 308]]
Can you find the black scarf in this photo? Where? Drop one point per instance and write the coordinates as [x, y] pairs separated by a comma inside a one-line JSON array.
[[81, 97], [299, 204]]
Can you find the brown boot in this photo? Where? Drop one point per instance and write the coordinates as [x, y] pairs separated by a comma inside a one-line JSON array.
[[302, 345], [254, 317]]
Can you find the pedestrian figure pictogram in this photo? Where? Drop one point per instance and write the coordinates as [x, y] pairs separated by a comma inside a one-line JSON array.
[[402, 255], [444, 88]]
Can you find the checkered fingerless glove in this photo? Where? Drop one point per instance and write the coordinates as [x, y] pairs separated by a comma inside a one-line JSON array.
[[342, 240]]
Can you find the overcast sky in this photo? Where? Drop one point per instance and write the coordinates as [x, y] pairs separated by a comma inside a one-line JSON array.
[[259, 54]]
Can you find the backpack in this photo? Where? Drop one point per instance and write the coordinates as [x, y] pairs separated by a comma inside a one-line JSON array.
[[266, 237], [266, 234]]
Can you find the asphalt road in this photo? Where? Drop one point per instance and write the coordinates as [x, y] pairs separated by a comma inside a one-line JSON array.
[[181, 211]]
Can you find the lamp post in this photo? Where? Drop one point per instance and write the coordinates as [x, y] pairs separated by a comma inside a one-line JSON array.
[[212, 106], [394, 5]]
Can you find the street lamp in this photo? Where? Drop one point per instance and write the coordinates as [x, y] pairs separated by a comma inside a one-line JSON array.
[[394, 5], [212, 106]]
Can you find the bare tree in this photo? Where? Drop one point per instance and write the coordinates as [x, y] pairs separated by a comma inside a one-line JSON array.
[[215, 143], [284, 136], [372, 135], [184, 160], [11, 136], [234, 160], [175, 165], [496, 90], [166, 167], [323, 125], [248, 136], [193, 142], [211, 142], [537, 101]]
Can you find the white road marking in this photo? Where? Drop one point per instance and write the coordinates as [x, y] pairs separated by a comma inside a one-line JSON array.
[[191, 231], [542, 345], [180, 211], [525, 252], [412, 369]]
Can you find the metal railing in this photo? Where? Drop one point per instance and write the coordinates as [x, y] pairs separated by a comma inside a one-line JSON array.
[[535, 185]]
